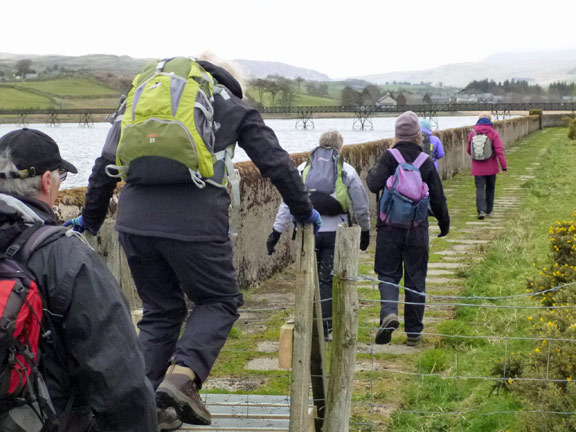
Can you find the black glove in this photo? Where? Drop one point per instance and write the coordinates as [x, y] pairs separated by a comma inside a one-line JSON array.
[[444, 230], [364, 240], [272, 241]]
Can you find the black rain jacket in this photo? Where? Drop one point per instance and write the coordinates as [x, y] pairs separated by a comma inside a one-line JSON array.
[[93, 355]]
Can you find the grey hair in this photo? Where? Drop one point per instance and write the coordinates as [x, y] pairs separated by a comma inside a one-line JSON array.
[[27, 187], [416, 140], [232, 68], [332, 138]]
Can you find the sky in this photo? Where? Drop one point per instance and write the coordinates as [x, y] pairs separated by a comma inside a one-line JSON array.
[[340, 38]]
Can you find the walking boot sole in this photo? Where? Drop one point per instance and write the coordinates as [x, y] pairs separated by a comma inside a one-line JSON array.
[[169, 396], [384, 334]]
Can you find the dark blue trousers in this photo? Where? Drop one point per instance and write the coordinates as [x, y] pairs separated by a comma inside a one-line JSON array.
[[485, 187], [402, 252], [324, 246], [166, 270]]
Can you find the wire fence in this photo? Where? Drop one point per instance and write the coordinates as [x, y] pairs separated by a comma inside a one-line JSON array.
[[382, 370]]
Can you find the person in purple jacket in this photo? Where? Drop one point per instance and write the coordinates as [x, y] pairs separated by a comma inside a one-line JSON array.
[[436, 147], [484, 171]]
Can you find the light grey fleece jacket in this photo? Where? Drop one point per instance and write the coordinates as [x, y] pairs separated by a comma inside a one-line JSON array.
[[358, 199]]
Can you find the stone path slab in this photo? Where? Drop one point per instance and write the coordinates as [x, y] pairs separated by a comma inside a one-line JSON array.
[[467, 241], [443, 265]]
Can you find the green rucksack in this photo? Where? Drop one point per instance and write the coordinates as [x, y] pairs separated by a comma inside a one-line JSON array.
[[169, 114]]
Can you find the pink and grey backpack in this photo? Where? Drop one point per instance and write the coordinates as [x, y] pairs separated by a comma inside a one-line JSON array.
[[405, 199]]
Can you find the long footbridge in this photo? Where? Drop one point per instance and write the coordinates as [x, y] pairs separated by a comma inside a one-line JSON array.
[[304, 114]]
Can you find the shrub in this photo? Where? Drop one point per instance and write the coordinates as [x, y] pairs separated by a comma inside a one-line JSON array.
[[552, 362], [572, 130]]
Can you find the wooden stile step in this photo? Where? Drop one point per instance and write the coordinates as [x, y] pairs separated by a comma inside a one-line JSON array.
[[253, 413]]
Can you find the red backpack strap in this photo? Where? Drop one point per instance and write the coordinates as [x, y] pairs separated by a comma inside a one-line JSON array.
[[420, 160], [397, 155]]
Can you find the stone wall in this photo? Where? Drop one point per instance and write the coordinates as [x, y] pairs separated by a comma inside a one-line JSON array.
[[260, 202]]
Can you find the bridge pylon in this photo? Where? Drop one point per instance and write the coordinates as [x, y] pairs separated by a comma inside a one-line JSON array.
[[363, 119], [53, 119], [502, 114], [431, 116], [23, 119], [86, 119], [305, 119]]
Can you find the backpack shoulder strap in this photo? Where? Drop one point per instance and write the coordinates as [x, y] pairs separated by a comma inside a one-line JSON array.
[[397, 155], [34, 239], [420, 160]]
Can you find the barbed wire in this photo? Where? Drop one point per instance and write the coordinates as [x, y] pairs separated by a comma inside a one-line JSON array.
[[425, 294]]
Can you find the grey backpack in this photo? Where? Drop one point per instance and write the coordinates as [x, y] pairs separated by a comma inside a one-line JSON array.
[[480, 147]]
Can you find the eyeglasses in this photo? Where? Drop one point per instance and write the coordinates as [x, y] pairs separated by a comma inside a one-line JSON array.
[[63, 174]]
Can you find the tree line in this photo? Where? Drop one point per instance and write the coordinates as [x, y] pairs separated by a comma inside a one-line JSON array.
[[510, 88]]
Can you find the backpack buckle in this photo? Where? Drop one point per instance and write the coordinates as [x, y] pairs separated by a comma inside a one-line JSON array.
[[12, 250]]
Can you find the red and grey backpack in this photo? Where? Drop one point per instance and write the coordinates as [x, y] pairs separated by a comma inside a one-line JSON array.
[[21, 327]]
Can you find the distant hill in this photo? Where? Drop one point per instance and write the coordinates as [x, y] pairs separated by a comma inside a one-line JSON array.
[[96, 63], [542, 67], [539, 67], [125, 65], [261, 69]]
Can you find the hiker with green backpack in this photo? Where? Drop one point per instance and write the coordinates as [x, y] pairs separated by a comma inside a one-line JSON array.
[[172, 141], [336, 192], [487, 153]]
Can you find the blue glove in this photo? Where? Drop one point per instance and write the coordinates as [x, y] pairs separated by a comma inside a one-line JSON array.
[[316, 220], [77, 224]]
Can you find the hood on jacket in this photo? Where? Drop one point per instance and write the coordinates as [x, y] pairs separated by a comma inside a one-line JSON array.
[[223, 77], [17, 213], [484, 121], [484, 129]]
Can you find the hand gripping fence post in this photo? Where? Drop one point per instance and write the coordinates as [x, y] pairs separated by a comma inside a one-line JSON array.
[[345, 305]]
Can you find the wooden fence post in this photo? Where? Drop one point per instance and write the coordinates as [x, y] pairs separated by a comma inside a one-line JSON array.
[[345, 307], [303, 317]]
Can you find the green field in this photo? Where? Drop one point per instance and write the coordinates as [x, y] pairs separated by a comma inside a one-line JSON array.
[[69, 87], [60, 93], [300, 99], [16, 99]]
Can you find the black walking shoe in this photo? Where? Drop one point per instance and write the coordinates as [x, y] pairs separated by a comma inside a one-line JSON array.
[[181, 392], [387, 326], [481, 215]]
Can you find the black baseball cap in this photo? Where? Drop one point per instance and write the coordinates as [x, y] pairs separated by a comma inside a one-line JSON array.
[[33, 152]]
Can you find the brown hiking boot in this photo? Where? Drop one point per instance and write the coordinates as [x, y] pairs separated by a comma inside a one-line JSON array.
[[180, 391]]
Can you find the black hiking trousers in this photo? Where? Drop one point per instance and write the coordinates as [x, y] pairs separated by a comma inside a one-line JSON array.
[[324, 246], [166, 270], [485, 187], [402, 252]]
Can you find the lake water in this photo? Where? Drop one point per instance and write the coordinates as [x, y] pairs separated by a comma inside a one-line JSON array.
[[81, 145]]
